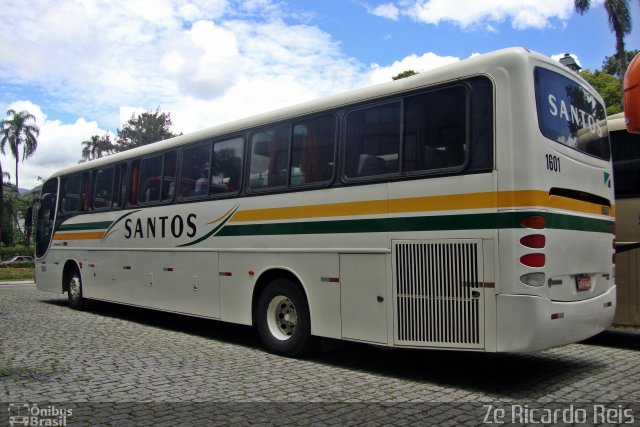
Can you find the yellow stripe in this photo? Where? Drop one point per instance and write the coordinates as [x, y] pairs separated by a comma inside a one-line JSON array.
[[370, 207], [487, 200], [83, 235], [222, 216], [440, 203]]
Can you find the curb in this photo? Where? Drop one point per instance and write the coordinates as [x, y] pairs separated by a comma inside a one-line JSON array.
[[18, 282]]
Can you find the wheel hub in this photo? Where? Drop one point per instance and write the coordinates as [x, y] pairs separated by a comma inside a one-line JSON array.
[[282, 317]]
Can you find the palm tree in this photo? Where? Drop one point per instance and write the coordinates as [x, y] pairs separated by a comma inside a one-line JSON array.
[[96, 147], [16, 130], [3, 175], [619, 22], [1, 199]]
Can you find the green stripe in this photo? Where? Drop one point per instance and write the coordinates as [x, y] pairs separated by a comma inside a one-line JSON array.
[[87, 226], [430, 223], [113, 224], [212, 232], [486, 221]]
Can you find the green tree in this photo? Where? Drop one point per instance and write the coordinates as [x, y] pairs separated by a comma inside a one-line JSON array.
[[608, 87], [96, 147], [404, 74], [14, 210], [611, 64], [143, 129], [619, 22], [19, 129], [2, 175]]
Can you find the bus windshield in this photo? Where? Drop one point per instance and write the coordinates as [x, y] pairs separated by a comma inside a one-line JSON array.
[[569, 114], [46, 216]]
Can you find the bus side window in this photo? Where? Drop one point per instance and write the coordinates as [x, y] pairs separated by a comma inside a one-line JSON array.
[[133, 184], [70, 194], [373, 141], [313, 150], [169, 176], [149, 181], [194, 178], [435, 130], [119, 185], [227, 166], [269, 158], [102, 188]]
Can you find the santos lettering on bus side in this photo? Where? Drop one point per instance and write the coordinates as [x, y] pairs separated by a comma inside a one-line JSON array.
[[159, 227]]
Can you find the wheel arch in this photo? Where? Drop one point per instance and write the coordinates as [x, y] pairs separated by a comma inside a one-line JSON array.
[[69, 267], [267, 277]]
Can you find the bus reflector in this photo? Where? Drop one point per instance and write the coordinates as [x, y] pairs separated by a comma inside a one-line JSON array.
[[555, 316], [533, 260], [536, 241], [533, 279], [537, 222]]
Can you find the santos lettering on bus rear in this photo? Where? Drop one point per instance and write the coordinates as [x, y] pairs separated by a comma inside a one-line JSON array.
[[578, 116], [160, 226]]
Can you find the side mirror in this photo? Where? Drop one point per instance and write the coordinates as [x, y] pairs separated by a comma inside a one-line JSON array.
[[631, 89]]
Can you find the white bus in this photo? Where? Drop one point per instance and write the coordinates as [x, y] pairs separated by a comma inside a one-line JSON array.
[[625, 152], [468, 207]]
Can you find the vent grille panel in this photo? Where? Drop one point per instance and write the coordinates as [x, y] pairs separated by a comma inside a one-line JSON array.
[[438, 299]]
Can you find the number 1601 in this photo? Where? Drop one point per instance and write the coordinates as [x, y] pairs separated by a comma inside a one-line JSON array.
[[553, 163]]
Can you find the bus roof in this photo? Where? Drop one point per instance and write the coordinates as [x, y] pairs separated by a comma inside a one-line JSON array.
[[616, 122], [476, 65]]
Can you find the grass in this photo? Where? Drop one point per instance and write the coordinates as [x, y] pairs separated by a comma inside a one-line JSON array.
[[14, 274]]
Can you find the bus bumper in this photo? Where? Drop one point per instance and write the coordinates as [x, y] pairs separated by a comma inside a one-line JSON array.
[[528, 323]]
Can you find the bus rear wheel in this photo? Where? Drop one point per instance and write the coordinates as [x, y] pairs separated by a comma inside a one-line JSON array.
[[74, 284], [283, 319]]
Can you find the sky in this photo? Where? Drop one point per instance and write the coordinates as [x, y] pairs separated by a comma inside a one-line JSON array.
[[83, 67]]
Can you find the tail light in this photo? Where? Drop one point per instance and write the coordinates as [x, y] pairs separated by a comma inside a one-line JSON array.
[[533, 260], [537, 222], [535, 241]]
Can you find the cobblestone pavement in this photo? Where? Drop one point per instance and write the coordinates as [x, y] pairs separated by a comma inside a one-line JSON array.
[[139, 367]]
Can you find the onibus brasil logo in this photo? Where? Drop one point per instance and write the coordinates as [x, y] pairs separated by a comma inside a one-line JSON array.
[[25, 414]]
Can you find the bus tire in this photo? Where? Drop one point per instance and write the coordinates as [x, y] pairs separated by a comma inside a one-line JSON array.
[[283, 320], [74, 283]]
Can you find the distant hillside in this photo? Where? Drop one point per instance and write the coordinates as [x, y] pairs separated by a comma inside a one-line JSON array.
[[24, 191], [35, 189]]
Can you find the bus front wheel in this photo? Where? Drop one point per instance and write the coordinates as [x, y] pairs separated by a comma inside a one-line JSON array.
[[283, 319], [74, 283]]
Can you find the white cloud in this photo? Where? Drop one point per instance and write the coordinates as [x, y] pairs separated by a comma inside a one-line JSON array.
[[59, 146], [416, 63], [203, 61], [522, 14], [386, 10], [561, 55], [98, 57]]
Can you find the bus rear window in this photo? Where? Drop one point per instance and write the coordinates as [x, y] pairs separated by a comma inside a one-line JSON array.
[[569, 114]]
